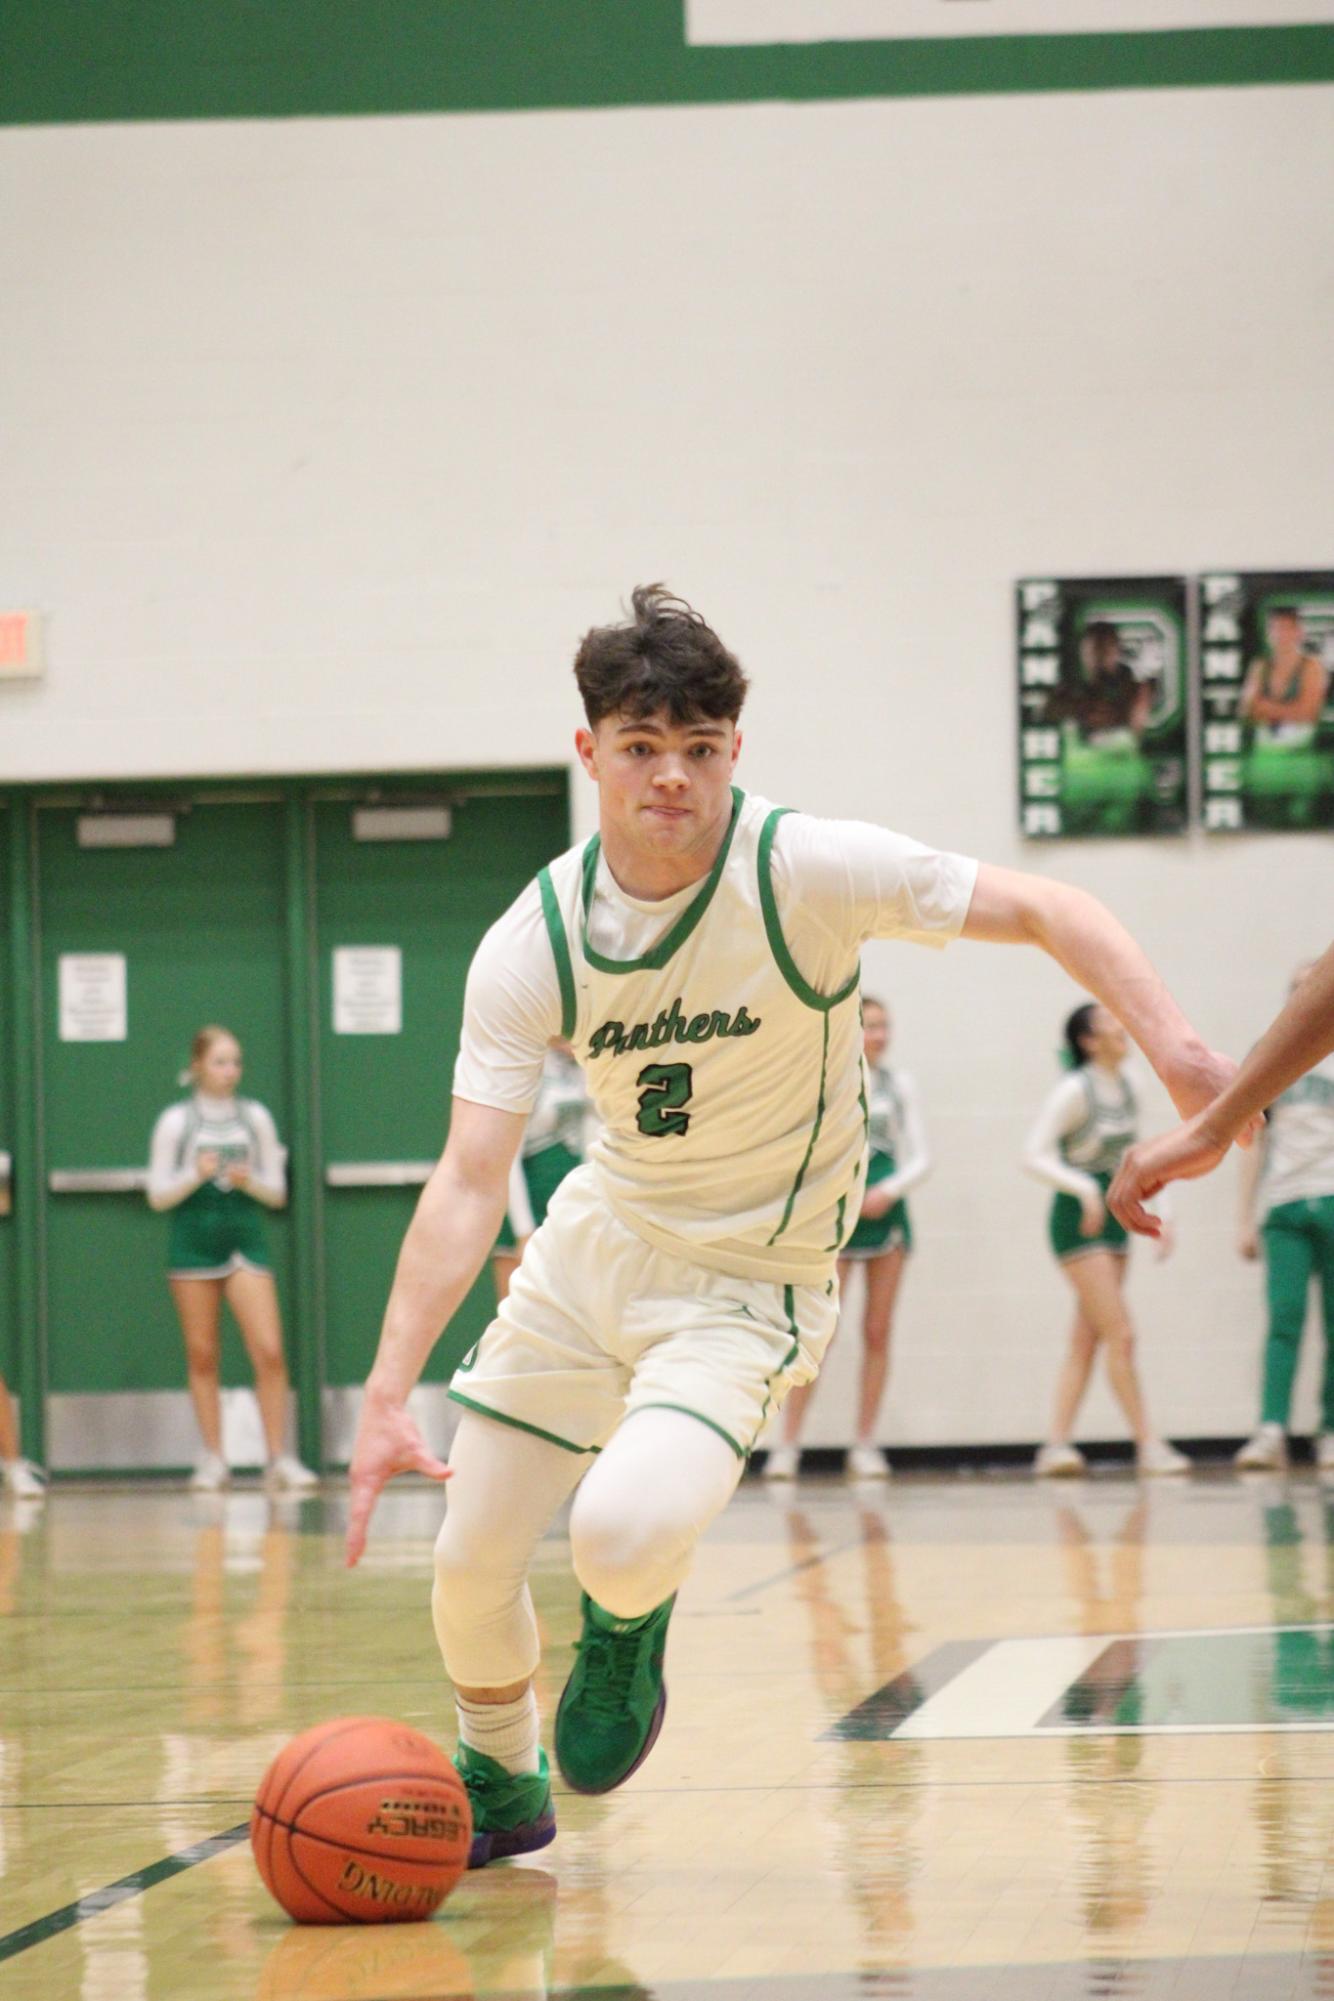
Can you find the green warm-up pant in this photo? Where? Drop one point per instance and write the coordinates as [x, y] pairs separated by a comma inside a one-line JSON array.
[[1299, 1246]]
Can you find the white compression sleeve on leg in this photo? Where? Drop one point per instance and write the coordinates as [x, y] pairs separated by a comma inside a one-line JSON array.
[[654, 1490], [507, 1487]]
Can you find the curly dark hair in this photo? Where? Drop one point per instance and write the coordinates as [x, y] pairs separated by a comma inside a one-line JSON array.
[[663, 660]]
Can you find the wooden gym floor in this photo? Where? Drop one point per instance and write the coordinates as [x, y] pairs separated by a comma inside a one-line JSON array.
[[942, 1739]]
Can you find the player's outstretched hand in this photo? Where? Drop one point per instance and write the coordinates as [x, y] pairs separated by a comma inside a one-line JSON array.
[[388, 1442], [1193, 1149]]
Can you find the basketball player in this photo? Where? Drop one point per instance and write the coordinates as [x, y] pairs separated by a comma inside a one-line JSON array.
[[1285, 688], [1287, 1206], [700, 953], [1299, 1036]]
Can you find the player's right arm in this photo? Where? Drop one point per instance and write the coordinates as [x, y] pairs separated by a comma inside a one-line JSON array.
[[446, 1245], [511, 1010]]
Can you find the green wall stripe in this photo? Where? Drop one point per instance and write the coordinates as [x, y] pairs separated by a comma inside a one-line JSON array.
[[69, 62]]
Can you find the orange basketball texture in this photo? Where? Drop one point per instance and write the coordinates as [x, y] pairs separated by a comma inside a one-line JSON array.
[[361, 1821]]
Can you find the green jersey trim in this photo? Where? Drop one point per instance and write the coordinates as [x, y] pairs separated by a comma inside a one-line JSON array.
[[517, 1423], [667, 947], [560, 950], [787, 965], [795, 1189], [699, 1418]]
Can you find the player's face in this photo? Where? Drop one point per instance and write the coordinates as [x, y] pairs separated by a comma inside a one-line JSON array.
[[1108, 1041], [1285, 634], [219, 1068], [1101, 651], [663, 787], [875, 1032]]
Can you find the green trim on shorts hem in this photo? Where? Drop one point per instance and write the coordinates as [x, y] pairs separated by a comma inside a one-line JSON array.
[[1087, 1251], [518, 1424], [699, 1416]]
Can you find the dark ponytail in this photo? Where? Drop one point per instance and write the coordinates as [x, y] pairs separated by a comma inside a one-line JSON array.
[[1080, 1024]]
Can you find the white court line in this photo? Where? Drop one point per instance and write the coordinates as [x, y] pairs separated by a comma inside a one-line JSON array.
[[1007, 1690], [736, 23]]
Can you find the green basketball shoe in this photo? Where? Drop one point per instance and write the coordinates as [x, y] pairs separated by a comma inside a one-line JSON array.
[[512, 1812], [615, 1700]]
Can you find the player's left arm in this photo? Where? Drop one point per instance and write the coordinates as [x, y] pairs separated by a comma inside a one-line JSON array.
[[1012, 908]]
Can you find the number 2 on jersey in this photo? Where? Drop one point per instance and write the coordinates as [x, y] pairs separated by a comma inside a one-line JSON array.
[[663, 1099]]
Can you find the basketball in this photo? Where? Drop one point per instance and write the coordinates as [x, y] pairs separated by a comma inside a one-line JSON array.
[[361, 1821]]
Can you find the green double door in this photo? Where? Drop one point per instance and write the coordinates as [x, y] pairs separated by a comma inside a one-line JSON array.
[[334, 943]]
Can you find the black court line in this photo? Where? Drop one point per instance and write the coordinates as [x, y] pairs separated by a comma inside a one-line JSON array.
[[98, 1901], [794, 1569], [881, 1714]]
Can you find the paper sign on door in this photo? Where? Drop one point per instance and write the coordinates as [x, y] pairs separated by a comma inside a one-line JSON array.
[[368, 990]]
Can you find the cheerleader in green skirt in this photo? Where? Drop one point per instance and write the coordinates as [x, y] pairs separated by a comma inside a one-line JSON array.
[[1085, 1126], [216, 1166], [880, 1244]]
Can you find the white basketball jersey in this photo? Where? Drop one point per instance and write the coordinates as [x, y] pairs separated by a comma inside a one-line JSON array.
[[731, 1093]]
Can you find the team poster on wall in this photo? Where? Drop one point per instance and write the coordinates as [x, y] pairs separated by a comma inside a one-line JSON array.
[[1266, 710], [1102, 706]]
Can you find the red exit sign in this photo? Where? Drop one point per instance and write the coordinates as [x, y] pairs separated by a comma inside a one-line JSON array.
[[20, 643]]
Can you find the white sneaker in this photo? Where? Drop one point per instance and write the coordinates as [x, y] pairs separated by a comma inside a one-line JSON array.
[[24, 1480], [287, 1472], [1266, 1451], [1324, 1452], [211, 1475], [1157, 1457], [866, 1462], [1060, 1462], [782, 1462]]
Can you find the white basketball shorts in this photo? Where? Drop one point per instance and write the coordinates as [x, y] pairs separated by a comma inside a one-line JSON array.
[[598, 1324]]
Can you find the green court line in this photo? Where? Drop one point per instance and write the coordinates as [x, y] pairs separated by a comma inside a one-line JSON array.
[[97, 1901]]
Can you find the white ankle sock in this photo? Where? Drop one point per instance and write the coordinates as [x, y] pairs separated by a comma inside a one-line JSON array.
[[505, 1731]]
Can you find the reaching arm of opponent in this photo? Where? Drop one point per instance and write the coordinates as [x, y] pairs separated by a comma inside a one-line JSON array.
[[1081, 934], [446, 1245], [1300, 1036]]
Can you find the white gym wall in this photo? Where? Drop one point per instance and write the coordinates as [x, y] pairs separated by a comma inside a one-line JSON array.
[[325, 439]]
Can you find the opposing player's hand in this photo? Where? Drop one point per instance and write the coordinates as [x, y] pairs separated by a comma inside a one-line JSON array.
[[1193, 1149], [207, 1164], [1248, 1242], [237, 1174], [388, 1442]]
